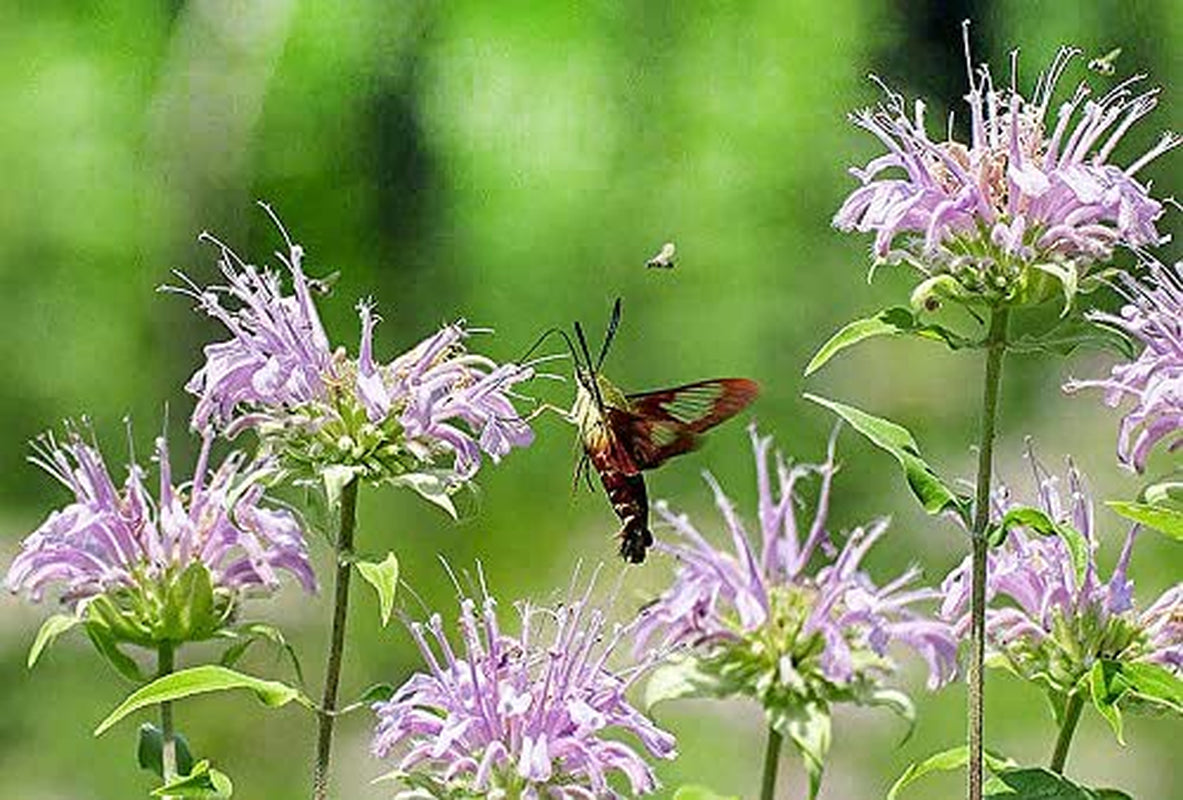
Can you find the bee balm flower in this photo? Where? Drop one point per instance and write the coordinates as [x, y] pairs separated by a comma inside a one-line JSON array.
[[1028, 202], [171, 567], [424, 418], [522, 714]]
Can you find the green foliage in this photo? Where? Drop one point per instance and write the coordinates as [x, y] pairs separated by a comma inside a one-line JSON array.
[[201, 680], [945, 761], [1036, 521], [203, 781], [383, 576], [928, 487], [1034, 783], [895, 321], [150, 751], [246, 634], [1117, 685], [1160, 518], [50, 630]]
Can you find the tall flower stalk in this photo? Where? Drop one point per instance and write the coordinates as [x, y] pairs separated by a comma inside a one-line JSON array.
[[424, 420], [1027, 210]]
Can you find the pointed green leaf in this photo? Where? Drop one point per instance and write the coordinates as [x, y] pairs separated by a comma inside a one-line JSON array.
[[896, 321], [431, 487], [1066, 275], [247, 634], [335, 478], [945, 761], [383, 576], [682, 676], [1037, 783], [150, 751], [939, 287], [203, 781], [50, 630], [928, 487], [1020, 517], [1066, 335], [200, 680], [1107, 687], [121, 662], [1160, 518]]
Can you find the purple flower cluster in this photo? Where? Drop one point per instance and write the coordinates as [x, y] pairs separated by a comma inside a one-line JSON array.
[[1059, 619], [522, 714], [1154, 380], [279, 374], [831, 619], [1016, 194], [112, 538]]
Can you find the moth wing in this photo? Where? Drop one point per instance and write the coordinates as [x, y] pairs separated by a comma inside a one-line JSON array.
[[666, 423]]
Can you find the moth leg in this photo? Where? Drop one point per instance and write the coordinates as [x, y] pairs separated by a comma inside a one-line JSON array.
[[542, 408]]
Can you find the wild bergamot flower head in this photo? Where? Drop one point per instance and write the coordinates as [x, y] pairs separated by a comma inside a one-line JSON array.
[[1024, 208], [533, 713], [154, 568], [423, 419], [788, 618]]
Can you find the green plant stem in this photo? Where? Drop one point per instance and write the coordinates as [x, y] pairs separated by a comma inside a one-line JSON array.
[[771, 763], [165, 663], [995, 350], [1064, 740], [328, 703]]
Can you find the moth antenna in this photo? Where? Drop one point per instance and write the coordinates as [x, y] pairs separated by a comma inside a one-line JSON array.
[[610, 334], [592, 384]]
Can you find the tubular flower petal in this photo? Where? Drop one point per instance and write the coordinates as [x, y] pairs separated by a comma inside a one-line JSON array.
[[1032, 194], [128, 547], [1154, 380], [1060, 616], [523, 713]]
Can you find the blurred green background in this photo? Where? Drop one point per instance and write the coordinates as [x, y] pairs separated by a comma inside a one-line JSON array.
[[515, 163]]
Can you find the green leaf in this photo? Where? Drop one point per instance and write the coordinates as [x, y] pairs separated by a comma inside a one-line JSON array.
[[1020, 517], [1116, 684], [1106, 689], [201, 680], [1067, 276], [939, 287], [188, 613], [247, 634], [895, 701], [203, 781], [700, 793], [945, 761], [1037, 783], [1064, 336], [150, 751], [1167, 493], [50, 630], [383, 576], [807, 726], [1159, 517], [928, 487], [897, 321], [431, 486], [121, 662], [335, 478], [680, 677]]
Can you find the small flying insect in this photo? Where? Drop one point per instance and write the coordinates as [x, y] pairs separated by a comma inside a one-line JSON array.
[[623, 435], [664, 258], [1104, 65]]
